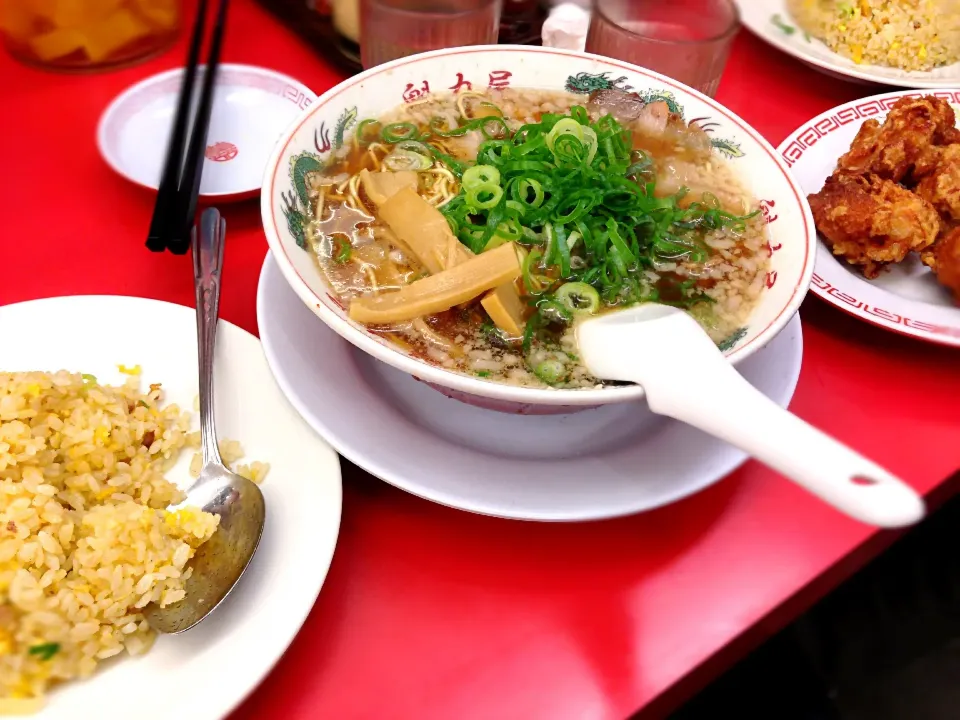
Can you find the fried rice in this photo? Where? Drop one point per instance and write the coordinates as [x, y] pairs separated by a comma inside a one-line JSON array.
[[905, 34], [86, 539]]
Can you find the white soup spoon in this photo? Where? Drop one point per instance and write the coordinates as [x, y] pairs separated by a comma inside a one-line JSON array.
[[685, 376]]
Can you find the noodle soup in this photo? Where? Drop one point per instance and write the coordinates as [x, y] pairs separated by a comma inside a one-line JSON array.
[[474, 230]]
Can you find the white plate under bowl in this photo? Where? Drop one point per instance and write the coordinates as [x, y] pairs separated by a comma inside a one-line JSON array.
[[252, 107], [906, 298], [607, 462], [758, 16], [206, 672]]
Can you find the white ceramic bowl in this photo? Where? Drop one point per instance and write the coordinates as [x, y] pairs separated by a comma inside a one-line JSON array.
[[252, 107], [331, 119]]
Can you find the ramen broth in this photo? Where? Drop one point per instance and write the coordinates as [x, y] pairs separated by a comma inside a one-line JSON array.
[[604, 203]]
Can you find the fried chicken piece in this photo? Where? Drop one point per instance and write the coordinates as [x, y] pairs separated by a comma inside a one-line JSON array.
[[871, 221], [951, 136], [863, 150], [944, 259], [941, 186], [928, 256], [893, 150]]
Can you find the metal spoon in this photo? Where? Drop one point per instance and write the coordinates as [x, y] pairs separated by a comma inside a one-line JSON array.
[[221, 560], [685, 376]]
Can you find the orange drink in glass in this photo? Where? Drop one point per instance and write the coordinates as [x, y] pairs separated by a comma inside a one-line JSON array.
[[78, 35]]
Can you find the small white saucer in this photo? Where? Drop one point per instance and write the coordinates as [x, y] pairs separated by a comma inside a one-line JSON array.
[[252, 107], [612, 461]]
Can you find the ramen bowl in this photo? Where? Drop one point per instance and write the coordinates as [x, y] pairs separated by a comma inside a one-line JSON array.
[[329, 123]]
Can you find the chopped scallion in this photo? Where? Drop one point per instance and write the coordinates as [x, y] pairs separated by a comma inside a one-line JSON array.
[[45, 651]]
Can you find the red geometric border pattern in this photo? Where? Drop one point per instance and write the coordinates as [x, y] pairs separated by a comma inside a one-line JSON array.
[[228, 76], [268, 83], [892, 317], [809, 135]]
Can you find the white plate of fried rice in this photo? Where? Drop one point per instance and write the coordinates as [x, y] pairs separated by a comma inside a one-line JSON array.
[[906, 43], [96, 439]]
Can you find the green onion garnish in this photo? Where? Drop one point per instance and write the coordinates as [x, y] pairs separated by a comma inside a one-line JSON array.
[[400, 159], [454, 165], [45, 651], [579, 297], [787, 29], [483, 196], [550, 371], [395, 132], [493, 128], [363, 136], [481, 174], [344, 250], [579, 198]]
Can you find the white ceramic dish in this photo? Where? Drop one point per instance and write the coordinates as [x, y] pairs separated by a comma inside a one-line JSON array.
[[906, 298], [206, 672], [600, 463], [375, 91], [758, 16], [252, 106]]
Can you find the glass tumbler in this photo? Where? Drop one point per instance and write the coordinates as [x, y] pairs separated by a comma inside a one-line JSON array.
[[687, 40], [346, 23], [80, 35], [391, 29]]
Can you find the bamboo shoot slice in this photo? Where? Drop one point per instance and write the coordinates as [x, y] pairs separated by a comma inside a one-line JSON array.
[[421, 227], [441, 291], [381, 186], [506, 309]]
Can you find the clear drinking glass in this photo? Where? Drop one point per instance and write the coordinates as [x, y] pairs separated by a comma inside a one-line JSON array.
[[82, 35], [687, 40], [346, 23], [391, 29]]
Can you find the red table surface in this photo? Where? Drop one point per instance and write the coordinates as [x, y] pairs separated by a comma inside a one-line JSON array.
[[433, 613]]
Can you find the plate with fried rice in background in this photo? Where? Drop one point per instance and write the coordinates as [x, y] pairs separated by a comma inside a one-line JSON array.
[[906, 43], [97, 439]]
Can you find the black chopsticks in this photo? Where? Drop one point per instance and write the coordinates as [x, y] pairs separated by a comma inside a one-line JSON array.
[[176, 204]]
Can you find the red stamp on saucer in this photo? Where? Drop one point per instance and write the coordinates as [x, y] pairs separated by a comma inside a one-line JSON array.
[[221, 152]]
